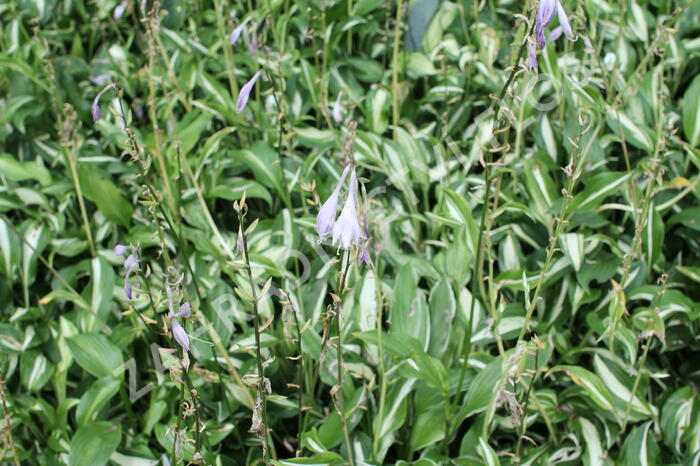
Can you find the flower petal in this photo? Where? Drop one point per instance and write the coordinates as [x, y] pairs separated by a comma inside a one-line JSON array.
[[185, 310], [236, 34], [120, 249], [555, 33], [95, 108], [545, 12], [120, 9], [131, 262], [564, 22], [127, 287], [245, 92], [326, 214], [347, 228], [181, 336]]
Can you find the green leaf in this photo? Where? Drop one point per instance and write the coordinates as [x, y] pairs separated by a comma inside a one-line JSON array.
[[426, 368], [653, 235], [640, 447], [592, 385], [96, 354], [487, 453], [315, 138], [321, 459], [20, 171], [572, 244], [483, 388], [689, 217], [597, 189], [95, 398], [105, 195], [263, 162], [93, 444], [635, 134], [419, 65], [676, 416], [99, 292], [691, 112], [36, 370], [443, 308], [594, 452]]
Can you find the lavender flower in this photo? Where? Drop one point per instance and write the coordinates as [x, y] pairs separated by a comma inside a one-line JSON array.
[[185, 310], [127, 286], [179, 333], [120, 249], [253, 44], [545, 14], [131, 263], [181, 336], [120, 9], [245, 92], [326, 215], [346, 229], [100, 79], [363, 255], [95, 108], [236, 33], [532, 58]]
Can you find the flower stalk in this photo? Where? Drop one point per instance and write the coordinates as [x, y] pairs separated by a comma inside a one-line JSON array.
[[261, 429]]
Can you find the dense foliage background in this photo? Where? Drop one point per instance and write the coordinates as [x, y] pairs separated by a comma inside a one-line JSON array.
[[533, 236]]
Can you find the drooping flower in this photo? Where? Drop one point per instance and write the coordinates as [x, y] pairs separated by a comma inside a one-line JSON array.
[[346, 229], [180, 335], [131, 263], [245, 92], [179, 332], [120, 249], [326, 215], [545, 14], [95, 108], [237, 31]]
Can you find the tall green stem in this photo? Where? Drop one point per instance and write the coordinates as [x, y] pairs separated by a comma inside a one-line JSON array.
[[258, 349], [478, 265], [382, 370], [395, 69], [340, 393]]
